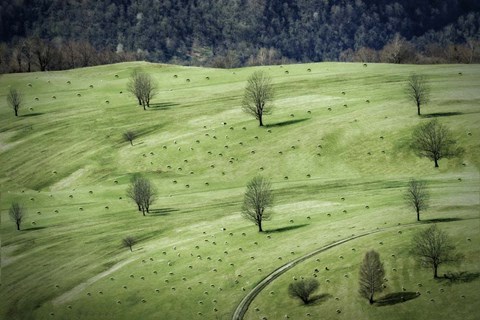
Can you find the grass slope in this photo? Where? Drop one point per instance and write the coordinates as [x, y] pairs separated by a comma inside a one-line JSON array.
[[338, 131]]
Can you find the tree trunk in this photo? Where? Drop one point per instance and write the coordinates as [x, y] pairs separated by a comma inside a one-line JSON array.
[[131, 142], [418, 108], [260, 120], [139, 207], [16, 112], [418, 215], [260, 226], [371, 299], [18, 225], [435, 271], [144, 108], [131, 249], [139, 101], [436, 163]]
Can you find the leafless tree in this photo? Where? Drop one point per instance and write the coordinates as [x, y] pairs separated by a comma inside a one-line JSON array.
[[17, 213], [86, 53], [257, 199], [15, 100], [27, 49], [398, 50], [433, 247], [417, 196], [303, 289], [371, 275], [128, 242], [258, 95], [133, 87], [44, 52], [418, 90], [129, 136], [142, 192], [148, 88], [143, 87], [434, 141]]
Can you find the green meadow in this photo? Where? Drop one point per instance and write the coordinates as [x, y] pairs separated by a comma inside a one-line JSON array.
[[336, 149]]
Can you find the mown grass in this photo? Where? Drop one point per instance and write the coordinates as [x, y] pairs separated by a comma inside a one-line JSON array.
[[65, 160]]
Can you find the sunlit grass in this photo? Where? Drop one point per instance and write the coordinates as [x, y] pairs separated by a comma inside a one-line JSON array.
[[330, 155]]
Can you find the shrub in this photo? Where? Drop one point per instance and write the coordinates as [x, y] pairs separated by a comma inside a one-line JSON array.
[[303, 289], [128, 242]]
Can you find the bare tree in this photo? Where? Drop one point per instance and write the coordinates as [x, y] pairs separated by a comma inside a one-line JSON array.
[[148, 88], [398, 50], [417, 196], [15, 100], [27, 49], [148, 193], [133, 87], [17, 213], [128, 242], [129, 136], [257, 199], [143, 87], [371, 275], [258, 95], [433, 247], [133, 192], [303, 289], [418, 90], [44, 51], [86, 53], [142, 192], [434, 141]]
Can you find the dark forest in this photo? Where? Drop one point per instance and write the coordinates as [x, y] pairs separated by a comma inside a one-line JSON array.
[[232, 33]]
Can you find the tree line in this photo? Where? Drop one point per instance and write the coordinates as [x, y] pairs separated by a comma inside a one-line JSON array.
[[227, 34], [37, 54]]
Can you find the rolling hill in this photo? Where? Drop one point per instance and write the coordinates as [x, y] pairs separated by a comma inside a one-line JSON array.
[[336, 149]]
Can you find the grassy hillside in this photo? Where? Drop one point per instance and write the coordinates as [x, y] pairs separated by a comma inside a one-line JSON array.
[[335, 148]]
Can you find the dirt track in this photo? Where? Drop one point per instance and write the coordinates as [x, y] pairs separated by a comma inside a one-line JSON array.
[[247, 300]]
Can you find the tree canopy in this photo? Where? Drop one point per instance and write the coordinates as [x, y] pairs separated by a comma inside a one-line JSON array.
[[258, 32]]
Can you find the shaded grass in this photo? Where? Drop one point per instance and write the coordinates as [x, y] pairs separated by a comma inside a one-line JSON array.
[[285, 123], [441, 114], [161, 211], [394, 298], [162, 106], [460, 277], [437, 220], [319, 298], [287, 228], [35, 114]]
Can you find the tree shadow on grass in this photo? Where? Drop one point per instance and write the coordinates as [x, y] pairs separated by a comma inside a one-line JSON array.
[[34, 228], [441, 114], [283, 229], [161, 211], [396, 297], [31, 114], [285, 123], [460, 277], [162, 106], [441, 220], [319, 298]]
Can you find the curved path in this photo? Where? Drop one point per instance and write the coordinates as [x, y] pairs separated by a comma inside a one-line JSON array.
[[247, 300]]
